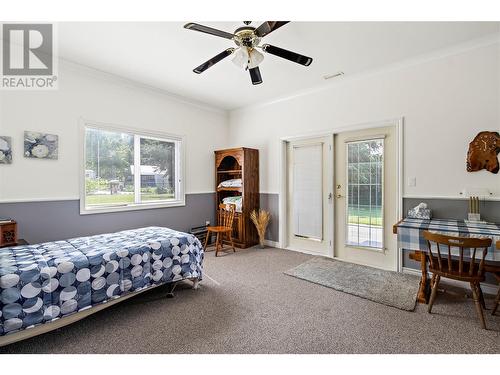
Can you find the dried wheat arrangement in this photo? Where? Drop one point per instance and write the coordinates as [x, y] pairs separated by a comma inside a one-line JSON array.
[[261, 219]]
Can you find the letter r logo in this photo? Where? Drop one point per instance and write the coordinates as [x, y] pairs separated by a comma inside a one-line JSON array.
[[27, 49]]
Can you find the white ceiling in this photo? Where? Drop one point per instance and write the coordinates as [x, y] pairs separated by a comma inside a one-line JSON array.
[[163, 54]]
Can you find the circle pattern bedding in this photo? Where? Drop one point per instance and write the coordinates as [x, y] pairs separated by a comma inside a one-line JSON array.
[[43, 282]]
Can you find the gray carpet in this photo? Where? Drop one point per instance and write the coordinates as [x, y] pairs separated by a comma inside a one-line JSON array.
[[389, 288], [248, 305]]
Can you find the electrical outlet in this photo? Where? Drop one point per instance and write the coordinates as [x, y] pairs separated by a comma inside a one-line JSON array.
[[207, 222], [412, 181]]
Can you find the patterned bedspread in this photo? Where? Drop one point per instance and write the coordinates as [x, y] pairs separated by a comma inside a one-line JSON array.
[[43, 282]]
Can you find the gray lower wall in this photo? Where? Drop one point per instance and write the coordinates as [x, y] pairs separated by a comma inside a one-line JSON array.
[[57, 220], [270, 202], [455, 208]]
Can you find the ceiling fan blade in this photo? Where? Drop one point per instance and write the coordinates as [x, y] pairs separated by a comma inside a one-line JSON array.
[[269, 26], [255, 75], [214, 60], [289, 55], [208, 30]]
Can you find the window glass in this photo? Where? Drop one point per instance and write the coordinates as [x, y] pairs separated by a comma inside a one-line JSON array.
[[365, 193], [110, 170], [108, 175], [157, 169]]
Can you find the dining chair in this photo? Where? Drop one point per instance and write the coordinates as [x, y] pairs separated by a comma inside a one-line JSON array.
[[444, 263], [497, 276], [224, 230]]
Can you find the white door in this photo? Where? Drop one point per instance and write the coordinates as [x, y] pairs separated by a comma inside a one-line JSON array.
[[366, 196], [309, 196]]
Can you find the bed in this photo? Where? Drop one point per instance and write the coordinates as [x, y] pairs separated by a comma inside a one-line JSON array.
[[49, 285]]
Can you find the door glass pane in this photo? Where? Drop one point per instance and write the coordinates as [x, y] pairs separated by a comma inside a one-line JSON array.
[[157, 170], [365, 198], [108, 160]]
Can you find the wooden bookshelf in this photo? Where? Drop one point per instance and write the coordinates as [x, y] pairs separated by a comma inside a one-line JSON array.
[[239, 189], [241, 163], [234, 171]]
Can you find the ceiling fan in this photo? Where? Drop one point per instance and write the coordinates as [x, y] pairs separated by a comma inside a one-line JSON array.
[[246, 55]]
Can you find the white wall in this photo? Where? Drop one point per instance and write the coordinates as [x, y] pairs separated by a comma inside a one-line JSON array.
[[445, 101], [104, 98]]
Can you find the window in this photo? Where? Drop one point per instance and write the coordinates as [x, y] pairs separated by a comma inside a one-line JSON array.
[[365, 170], [126, 170]]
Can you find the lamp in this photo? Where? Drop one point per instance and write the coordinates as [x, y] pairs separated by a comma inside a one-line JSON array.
[[247, 58]]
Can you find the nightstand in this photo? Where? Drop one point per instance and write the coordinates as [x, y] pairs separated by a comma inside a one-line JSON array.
[[8, 233]]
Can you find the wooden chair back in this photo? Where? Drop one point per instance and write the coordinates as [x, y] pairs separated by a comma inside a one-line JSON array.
[[443, 261], [226, 215]]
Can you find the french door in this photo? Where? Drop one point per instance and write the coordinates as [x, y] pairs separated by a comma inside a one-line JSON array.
[[342, 196], [366, 191]]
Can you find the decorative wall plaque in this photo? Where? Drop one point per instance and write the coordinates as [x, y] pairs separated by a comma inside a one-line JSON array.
[[483, 152]]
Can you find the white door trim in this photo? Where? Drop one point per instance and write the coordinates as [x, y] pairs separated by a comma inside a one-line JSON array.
[[398, 123]]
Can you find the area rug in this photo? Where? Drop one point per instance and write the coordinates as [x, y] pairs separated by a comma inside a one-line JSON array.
[[386, 287]]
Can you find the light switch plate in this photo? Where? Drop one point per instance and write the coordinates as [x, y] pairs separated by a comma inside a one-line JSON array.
[[412, 181]]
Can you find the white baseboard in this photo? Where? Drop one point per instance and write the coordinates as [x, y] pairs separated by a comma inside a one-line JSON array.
[[485, 287], [304, 251], [270, 243], [363, 264]]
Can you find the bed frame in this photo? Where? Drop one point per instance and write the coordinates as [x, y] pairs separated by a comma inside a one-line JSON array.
[[67, 320]]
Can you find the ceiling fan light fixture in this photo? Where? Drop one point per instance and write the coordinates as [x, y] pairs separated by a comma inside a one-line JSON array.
[[240, 58], [247, 58], [255, 58], [247, 39]]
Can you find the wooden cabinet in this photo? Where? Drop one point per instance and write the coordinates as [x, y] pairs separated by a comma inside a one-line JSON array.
[[236, 163]]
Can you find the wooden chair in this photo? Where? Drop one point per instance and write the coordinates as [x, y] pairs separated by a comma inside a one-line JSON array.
[[448, 266], [224, 230], [497, 276]]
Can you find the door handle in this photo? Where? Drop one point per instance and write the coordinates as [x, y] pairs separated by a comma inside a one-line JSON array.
[[330, 196]]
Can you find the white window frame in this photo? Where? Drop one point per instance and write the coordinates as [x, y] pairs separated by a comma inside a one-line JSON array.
[[180, 163]]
